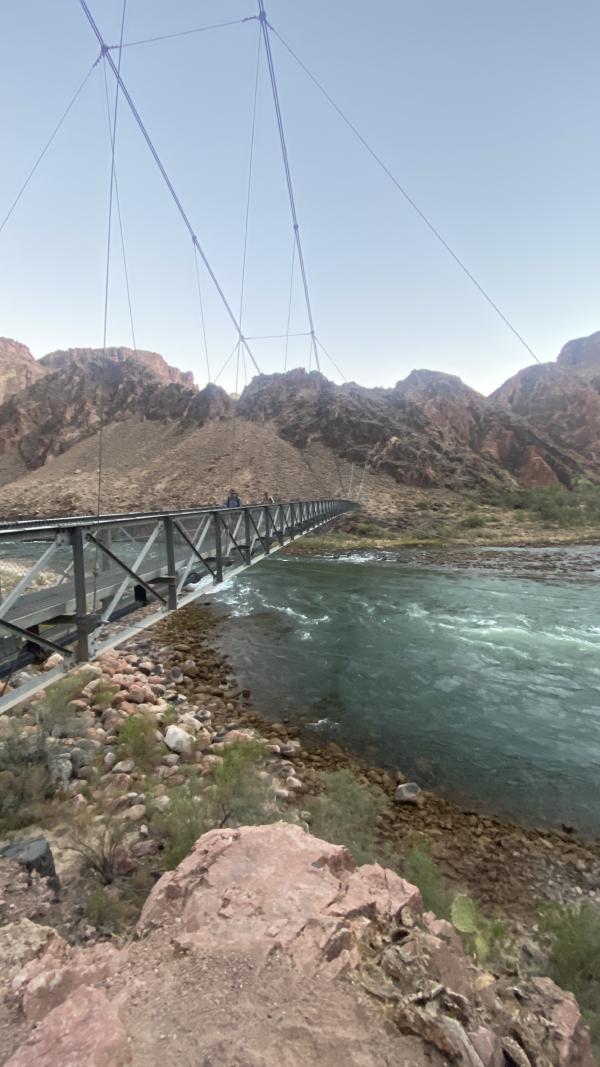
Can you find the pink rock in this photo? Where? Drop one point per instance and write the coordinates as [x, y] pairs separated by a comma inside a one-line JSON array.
[[45, 982], [81, 704], [571, 1034], [129, 708], [84, 1030], [136, 694], [260, 888], [487, 1046]]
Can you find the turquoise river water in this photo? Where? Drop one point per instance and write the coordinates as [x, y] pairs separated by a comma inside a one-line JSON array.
[[479, 680]]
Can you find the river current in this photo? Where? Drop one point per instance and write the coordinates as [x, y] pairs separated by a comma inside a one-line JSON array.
[[480, 681]]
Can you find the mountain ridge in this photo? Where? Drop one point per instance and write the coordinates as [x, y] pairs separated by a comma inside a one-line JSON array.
[[429, 431]]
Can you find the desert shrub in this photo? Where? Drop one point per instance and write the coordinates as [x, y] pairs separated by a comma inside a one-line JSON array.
[[346, 813], [185, 820], [473, 522], [99, 845], [117, 909], [557, 505], [103, 694], [169, 717], [240, 797], [54, 715], [26, 779], [423, 505], [573, 935], [235, 796], [108, 912], [137, 741], [420, 868]]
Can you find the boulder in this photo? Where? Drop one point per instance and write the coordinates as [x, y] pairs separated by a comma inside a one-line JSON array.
[[124, 766], [84, 1030], [34, 854], [263, 888], [178, 740], [408, 793]]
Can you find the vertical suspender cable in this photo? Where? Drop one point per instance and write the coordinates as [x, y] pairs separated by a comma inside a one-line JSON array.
[[265, 32], [119, 216], [202, 319], [113, 137], [289, 314]]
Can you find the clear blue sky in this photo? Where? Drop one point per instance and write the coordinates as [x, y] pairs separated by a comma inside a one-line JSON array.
[[487, 112]]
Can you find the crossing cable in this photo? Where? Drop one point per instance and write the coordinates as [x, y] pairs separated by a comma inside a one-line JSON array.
[[184, 33], [265, 32], [436, 233], [49, 142], [166, 179], [119, 216]]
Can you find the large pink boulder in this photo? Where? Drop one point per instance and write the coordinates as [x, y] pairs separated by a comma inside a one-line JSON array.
[[84, 1031], [263, 888]]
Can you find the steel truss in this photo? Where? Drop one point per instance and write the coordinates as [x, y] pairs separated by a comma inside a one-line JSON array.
[[113, 565]]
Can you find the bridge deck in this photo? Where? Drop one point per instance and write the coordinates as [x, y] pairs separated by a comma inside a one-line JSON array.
[[92, 571]]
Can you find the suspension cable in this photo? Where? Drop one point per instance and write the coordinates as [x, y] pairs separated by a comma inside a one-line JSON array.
[[289, 313], [166, 179], [265, 31], [202, 319], [184, 33], [436, 233], [49, 142], [249, 186], [113, 138], [227, 361], [119, 216], [331, 359]]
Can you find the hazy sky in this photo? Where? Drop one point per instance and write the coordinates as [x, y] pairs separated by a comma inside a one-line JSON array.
[[486, 111]]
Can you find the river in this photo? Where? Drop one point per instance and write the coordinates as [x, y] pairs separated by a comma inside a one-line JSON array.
[[479, 680]]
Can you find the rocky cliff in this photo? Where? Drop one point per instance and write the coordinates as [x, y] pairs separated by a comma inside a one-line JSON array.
[[79, 393], [430, 431], [18, 368], [563, 397], [152, 361]]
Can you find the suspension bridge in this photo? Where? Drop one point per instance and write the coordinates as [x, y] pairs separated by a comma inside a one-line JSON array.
[[66, 582], [69, 585]]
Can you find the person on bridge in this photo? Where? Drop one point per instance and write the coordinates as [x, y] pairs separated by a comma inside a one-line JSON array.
[[233, 500]]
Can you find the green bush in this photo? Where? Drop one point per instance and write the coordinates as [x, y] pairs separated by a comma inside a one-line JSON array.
[[99, 845], [557, 505], [573, 935], [103, 694], [26, 783], [346, 813], [235, 796], [420, 868], [137, 741], [473, 522], [54, 715], [117, 909]]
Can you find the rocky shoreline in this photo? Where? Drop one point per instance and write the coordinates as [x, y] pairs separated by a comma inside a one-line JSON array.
[[174, 676], [177, 664]]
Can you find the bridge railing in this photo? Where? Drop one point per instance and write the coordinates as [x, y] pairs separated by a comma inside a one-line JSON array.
[[69, 585]]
